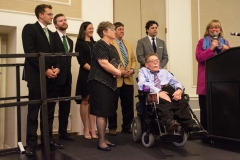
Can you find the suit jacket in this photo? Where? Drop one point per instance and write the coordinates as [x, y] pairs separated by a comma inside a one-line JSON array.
[[65, 61], [131, 63], [144, 47], [35, 40]]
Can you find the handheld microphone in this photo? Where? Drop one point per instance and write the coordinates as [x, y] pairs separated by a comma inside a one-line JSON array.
[[234, 34], [215, 35]]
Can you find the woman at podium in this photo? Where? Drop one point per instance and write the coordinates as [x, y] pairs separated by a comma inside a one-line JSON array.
[[211, 44]]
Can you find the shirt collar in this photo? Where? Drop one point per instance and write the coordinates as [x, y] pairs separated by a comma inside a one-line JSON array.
[[151, 38], [152, 71], [42, 25], [118, 41], [60, 33]]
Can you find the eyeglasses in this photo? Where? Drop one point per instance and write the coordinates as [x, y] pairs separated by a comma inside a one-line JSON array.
[[214, 27], [154, 61], [50, 14]]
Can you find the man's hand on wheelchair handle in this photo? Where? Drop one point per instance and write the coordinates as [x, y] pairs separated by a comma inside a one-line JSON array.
[[164, 95], [177, 95]]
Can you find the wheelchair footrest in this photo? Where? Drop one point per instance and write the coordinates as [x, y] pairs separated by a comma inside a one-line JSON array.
[[197, 135], [171, 137]]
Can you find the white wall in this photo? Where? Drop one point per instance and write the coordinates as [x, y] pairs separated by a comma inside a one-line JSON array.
[[93, 10], [179, 40]]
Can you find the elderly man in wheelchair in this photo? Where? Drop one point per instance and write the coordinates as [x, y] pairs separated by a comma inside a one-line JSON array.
[[165, 111]]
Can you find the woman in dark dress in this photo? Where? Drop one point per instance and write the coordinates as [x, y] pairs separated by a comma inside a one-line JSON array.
[[102, 80], [84, 46]]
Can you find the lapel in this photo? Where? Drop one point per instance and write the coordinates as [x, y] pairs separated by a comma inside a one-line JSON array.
[[158, 45], [126, 46], [146, 39], [43, 33], [59, 42], [115, 44], [70, 44]]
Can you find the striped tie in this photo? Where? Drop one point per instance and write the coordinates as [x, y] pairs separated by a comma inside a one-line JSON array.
[[65, 43], [125, 58], [46, 32], [157, 82]]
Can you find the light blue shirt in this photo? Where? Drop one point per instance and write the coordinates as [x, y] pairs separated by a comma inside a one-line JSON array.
[[146, 78], [124, 48]]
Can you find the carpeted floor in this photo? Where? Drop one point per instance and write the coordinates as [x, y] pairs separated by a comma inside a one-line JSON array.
[[127, 149]]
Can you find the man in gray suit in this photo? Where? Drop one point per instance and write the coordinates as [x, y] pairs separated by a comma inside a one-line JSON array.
[[151, 44]]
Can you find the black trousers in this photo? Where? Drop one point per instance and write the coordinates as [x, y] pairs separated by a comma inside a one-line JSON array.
[[126, 96], [33, 110], [203, 110], [64, 107], [177, 110]]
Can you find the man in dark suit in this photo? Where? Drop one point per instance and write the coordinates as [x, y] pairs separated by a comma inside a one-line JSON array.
[[64, 79], [151, 44], [37, 38]]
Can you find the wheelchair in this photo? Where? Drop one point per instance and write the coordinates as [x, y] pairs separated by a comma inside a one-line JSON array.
[[146, 126]]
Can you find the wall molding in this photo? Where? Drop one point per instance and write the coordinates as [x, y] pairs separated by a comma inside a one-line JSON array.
[[69, 3], [32, 14]]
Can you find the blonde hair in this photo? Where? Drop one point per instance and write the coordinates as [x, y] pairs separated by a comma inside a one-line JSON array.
[[209, 25]]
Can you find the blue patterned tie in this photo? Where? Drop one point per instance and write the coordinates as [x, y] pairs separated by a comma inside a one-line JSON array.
[[123, 54], [65, 43], [157, 82], [154, 45]]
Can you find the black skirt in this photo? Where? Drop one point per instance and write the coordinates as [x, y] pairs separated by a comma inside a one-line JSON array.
[[102, 99], [82, 88]]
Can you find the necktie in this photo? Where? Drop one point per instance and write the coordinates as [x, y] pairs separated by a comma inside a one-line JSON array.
[[154, 45], [157, 81], [123, 54], [46, 32], [65, 43]]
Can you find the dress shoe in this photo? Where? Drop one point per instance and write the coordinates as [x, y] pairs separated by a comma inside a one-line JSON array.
[[30, 151], [127, 131], [172, 125], [103, 149], [111, 145], [94, 136], [194, 128], [66, 137], [87, 137], [112, 132], [55, 145]]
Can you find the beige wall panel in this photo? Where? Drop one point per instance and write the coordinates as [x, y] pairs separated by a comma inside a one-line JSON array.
[[195, 38], [226, 11], [71, 8], [228, 14], [128, 12], [154, 10]]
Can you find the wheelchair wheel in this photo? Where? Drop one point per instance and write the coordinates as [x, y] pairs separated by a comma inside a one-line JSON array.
[[136, 129], [182, 141], [147, 141]]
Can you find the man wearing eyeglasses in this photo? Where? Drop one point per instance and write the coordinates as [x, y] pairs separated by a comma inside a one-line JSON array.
[[151, 44], [38, 38], [171, 103]]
